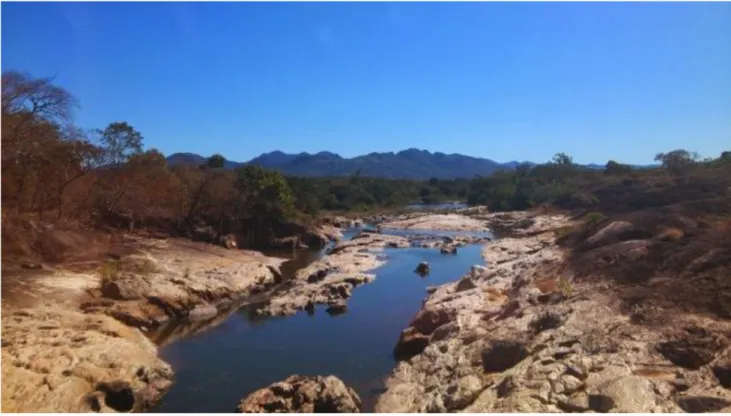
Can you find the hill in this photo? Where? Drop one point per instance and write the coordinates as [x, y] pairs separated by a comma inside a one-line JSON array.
[[406, 164]]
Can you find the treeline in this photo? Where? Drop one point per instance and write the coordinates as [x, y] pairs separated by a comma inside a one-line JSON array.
[[560, 182], [52, 169], [564, 184]]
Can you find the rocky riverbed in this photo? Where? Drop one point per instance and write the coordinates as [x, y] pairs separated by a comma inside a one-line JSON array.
[[519, 335], [81, 347], [425, 221], [69, 344], [330, 281]]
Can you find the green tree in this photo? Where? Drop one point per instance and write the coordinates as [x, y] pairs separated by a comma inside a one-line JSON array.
[[614, 168], [120, 141], [265, 193], [563, 159], [677, 161], [215, 162]]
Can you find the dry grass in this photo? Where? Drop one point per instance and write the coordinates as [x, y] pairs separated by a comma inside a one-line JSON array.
[[654, 373], [722, 225], [565, 286], [552, 284], [671, 234], [595, 218], [546, 285], [564, 231], [146, 267], [494, 295], [109, 271]]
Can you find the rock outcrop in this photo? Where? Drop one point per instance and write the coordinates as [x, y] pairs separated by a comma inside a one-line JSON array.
[[422, 268], [425, 221], [448, 249], [148, 290], [56, 360], [301, 394], [330, 281], [75, 344], [522, 336]]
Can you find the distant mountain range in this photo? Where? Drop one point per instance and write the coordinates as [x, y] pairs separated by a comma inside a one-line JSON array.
[[406, 164]]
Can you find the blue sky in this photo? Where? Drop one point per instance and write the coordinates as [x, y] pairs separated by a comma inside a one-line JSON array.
[[505, 81]]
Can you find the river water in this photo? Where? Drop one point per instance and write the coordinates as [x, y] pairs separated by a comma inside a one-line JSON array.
[[216, 368]]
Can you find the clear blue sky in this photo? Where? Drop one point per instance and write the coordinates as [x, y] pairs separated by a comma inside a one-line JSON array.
[[505, 81]]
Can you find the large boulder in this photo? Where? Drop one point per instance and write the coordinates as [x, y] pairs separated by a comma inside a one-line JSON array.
[[422, 268], [465, 283], [229, 241], [448, 249], [478, 270], [502, 354], [629, 394], [303, 394], [410, 343], [427, 320]]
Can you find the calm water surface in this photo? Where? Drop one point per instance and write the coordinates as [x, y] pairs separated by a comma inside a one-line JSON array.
[[215, 369], [440, 206]]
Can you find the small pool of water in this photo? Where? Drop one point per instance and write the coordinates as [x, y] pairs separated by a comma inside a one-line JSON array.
[[298, 259], [216, 368], [415, 233]]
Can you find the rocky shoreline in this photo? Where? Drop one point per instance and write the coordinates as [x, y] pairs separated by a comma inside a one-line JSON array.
[[519, 335], [71, 350], [82, 347], [330, 281]]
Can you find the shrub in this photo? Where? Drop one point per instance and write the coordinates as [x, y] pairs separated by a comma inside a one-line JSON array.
[[109, 271], [546, 321], [564, 231], [566, 287], [595, 218]]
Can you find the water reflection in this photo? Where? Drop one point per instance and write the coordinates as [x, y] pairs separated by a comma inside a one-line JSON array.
[[218, 366]]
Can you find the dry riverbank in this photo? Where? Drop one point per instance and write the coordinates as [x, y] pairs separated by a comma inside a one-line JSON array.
[[62, 349], [71, 333], [520, 335]]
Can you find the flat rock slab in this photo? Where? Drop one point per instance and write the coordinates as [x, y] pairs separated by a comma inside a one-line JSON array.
[[57, 361], [301, 394]]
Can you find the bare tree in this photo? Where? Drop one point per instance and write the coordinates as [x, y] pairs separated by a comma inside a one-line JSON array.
[[26, 104]]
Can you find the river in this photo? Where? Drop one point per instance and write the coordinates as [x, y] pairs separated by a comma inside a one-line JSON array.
[[216, 368]]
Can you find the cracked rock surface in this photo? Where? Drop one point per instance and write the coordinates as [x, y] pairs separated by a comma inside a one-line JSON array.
[[301, 394], [523, 336]]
